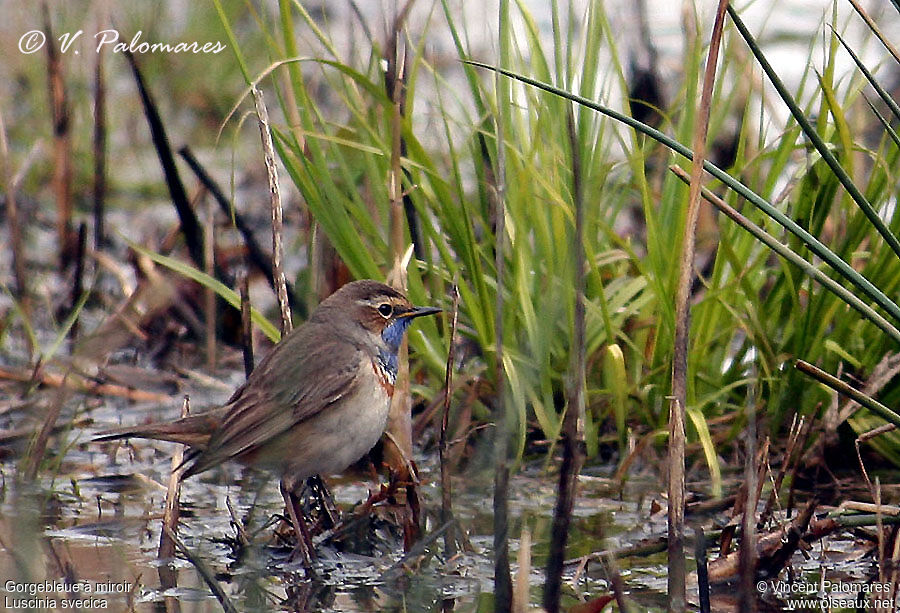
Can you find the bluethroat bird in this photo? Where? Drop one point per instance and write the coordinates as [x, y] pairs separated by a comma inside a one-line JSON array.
[[314, 405]]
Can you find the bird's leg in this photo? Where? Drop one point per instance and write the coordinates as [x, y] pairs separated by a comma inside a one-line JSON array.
[[317, 484], [304, 541]]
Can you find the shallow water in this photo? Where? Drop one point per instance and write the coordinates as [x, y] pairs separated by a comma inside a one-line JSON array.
[[101, 527]]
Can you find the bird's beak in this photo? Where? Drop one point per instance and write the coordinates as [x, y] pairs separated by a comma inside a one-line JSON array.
[[420, 311]]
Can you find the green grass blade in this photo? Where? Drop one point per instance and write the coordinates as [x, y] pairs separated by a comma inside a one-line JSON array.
[[814, 244], [221, 290], [810, 132]]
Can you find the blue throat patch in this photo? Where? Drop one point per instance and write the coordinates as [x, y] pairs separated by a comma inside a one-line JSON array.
[[392, 336]]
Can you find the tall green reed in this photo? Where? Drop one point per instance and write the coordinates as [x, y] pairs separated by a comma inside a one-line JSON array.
[[748, 307]]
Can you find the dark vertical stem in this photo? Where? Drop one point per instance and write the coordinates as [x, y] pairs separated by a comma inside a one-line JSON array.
[[573, 425], [446, 492], [209, 296], [675, 545], [246, 330], [62, 159], [78, 280], [99, 151], [190, 225], [645, 92], [395, 85], [702, 569], [259, 258]]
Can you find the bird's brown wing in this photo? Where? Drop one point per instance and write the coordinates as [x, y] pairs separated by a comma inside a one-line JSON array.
[[305, 373]]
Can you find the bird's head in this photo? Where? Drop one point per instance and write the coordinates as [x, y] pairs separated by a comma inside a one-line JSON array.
[[378, 308]]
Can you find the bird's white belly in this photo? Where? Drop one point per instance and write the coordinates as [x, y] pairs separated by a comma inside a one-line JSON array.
[[341, 433]]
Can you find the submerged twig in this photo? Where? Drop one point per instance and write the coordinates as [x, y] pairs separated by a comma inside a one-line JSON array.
[[39, 448], [166, 551], [206, 573]]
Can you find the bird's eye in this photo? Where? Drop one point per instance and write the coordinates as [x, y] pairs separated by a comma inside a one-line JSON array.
[[385, 309]]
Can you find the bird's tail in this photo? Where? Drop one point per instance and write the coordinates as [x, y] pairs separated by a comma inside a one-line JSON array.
[[193, 430]]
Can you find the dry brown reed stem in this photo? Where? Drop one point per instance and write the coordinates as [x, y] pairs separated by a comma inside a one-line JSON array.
[[446, 488], [403, 212], [395, 82], [167, 575], [677, 575], [275, 200], [616, 583], [399, 425], [62, 147], [865, 436], [521, 597], [39, 448], [16, 244], [791, 459], [879, 530], [894, 565]]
